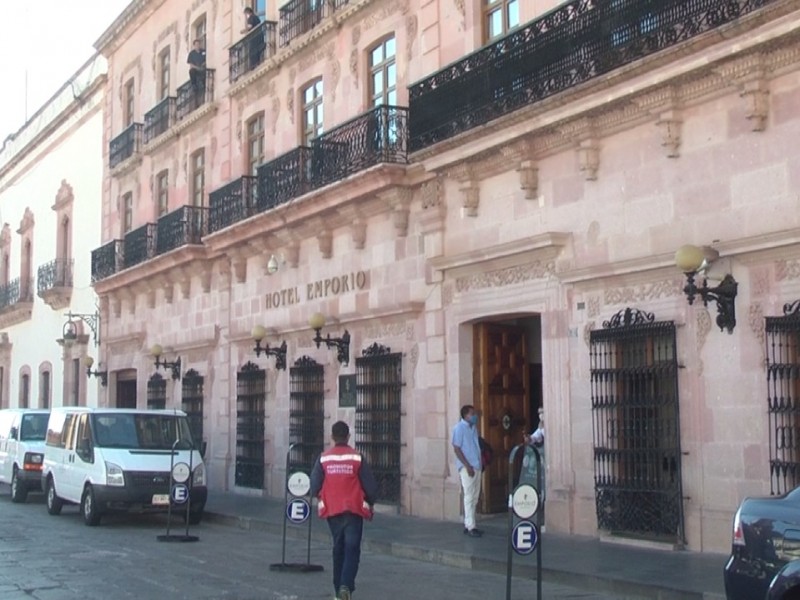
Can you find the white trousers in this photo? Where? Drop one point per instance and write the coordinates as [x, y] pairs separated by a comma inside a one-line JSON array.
[[472, 490]]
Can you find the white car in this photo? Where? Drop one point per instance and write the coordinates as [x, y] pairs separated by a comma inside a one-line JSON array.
[[22, 433]]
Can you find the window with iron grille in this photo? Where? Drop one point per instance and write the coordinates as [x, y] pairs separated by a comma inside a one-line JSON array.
[[312, 111], [783, 398], [636, 427], [156, 392], [379, 385], [251, 405], [306, 413], [192, 403]]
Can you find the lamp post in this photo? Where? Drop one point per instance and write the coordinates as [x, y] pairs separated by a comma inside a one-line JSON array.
[[693, 260], [103, 375], [259, 333], [342, 344], [156, 351], [71, 329]]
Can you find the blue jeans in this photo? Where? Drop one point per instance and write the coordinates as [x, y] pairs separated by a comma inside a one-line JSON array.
[[346, 532]]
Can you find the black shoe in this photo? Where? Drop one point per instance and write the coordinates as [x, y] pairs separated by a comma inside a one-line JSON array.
[[474, 533]]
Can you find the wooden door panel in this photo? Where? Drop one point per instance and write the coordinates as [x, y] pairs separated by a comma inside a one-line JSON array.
[[501, 395]]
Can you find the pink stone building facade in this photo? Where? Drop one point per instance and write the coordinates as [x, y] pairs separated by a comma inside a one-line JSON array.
[[473, 198]]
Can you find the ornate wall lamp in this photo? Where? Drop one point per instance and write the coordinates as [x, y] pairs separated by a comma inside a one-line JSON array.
[[103, 375], [156, 351], [259, 333], [693, 260], [342, 344], [70, 329]]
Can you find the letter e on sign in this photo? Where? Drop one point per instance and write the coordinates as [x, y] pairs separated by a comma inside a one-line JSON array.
[[524, 538]]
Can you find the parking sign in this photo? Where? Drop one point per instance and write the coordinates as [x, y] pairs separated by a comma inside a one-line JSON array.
[[298, 510], [524, 538]]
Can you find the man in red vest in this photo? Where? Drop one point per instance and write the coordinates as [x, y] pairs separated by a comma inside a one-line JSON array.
[[346, 488]]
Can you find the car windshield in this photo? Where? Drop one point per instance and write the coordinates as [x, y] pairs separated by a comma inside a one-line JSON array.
[[141, 431], [34, 427]]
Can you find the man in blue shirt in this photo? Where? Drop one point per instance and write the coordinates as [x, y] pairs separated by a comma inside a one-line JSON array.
[[468, 463]]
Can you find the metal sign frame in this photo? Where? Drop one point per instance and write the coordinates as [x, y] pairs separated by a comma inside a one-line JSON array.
[[511, 525], [189, 483]]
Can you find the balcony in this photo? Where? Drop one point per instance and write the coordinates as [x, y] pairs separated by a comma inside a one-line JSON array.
[[232, 203], [181, 227], [377, 136], [16, 301], [139, 245], [575, 42], [125, 145], [252, 50], [190, 98], [284, 178], [54, 282], [159, 119], [300, 16], [107, 260]]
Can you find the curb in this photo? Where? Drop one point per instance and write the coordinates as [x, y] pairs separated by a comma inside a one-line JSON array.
[[593, 583]]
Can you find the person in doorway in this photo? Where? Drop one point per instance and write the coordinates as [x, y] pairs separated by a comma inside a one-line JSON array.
[[346, 490], [536, 440], [466, 446], [197, 68]]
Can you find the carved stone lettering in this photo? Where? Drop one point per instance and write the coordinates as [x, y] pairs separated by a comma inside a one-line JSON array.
[[648, 291], [535, 270]]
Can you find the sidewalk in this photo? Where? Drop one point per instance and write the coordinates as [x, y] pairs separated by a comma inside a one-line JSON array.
[[582, 562]]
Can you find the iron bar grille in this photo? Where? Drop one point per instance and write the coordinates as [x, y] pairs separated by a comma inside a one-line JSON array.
[[125, 145], [251, 404], [636, 427], [377, 136], [379, 386], [233, 202], [299, 16], [55, 274], [192, 403], [156, 392], [107, 259], [9, 293], [284, 178], [159, 119], [783, 398], [253, 49], [306, 413], [189, 98], [575, 42], [181, 227], [139, 245]]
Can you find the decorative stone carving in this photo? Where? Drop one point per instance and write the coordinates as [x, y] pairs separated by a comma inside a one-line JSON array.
[[703, 329], [27, 222], [431, 193], [290, 104], [529, 178], [587, 333], [469, 185], [400, 200], [335, 72], [359, 233], [537, 269], [670, 124], [448, 293], [275, 111], [325, 241], [787, 270], [412, 25], [354, 71], [593, 306], [648, 291], [389, 330], [756, 96], [414, 355], [755, 318], [64, 196], [589, 158]]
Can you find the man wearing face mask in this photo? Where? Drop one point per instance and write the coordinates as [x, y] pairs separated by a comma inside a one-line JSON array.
[[468, 462]]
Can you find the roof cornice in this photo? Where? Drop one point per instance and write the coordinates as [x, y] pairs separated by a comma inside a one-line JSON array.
[[119, 31]]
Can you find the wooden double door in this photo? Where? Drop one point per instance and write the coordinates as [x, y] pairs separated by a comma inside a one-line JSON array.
[[501, 382]]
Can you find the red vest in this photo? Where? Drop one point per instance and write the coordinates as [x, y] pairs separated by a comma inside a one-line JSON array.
[[341, 489]]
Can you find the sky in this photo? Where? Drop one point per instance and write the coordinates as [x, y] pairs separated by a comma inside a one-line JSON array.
[[50, 39]]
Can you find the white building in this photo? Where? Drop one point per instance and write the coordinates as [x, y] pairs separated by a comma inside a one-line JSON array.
[[51, 176]]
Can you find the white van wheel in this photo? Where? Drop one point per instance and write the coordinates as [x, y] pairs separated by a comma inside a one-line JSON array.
[[91, 516], [19, 493], [54, 503]]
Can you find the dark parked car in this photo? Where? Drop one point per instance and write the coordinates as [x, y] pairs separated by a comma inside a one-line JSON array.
[[765, 559]]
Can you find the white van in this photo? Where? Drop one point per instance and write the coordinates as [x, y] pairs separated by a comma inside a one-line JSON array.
[[110, 459], [22, 432]]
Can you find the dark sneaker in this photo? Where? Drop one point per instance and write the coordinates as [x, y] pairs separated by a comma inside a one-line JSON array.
[[344, 593], [474, 533]]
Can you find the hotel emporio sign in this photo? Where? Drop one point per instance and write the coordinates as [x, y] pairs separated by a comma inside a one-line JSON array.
[[317, 290]]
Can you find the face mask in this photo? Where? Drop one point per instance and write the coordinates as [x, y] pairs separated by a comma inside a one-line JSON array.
[[473, 419]]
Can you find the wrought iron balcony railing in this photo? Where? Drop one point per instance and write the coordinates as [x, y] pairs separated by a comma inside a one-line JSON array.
[[16, 291], [253, 49], [377, 136], [191, 97], [232, 203], [139, 245], [573, 43], [159, 118], [107, 260], [284, 178], [125, 145], [299, 16], [55, 274], [181, 227]]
